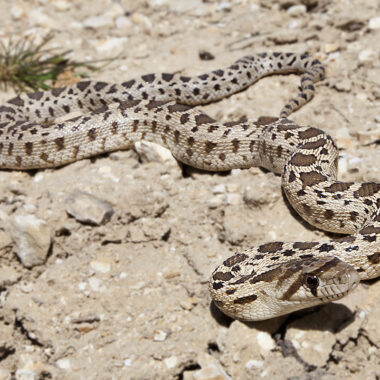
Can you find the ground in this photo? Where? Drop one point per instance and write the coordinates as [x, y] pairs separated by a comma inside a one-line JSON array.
[[128, 298]]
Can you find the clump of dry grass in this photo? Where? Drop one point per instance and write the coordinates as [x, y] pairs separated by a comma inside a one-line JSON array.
[[26, 65]]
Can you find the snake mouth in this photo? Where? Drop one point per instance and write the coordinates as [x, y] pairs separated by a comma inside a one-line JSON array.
[[337, 290]]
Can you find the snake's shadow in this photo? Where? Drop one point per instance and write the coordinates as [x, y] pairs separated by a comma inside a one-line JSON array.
[[332, 317]]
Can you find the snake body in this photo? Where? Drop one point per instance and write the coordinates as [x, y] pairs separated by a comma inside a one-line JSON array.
[[259, 283]]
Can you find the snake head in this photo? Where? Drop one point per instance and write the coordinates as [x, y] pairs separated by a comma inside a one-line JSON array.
[[326, 279], [274, 290]]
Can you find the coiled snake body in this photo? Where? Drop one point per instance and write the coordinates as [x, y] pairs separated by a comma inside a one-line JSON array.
[[259, 283]]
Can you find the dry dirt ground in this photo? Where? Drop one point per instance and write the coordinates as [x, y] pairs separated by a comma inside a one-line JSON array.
[[128, 299]]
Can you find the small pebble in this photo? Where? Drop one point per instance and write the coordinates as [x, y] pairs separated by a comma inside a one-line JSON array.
[[63, 363], [297, 10], [216, 201], [97, 22], [171, 362], [151, 152], [88, 209], [61, 5], [128, 362], [160, 336], [110, 45], [265, 341], [219, 189], [343, 85], [17, 12], [253, 364], [100, 265], [367, 55], [374, 23], [186, 305], [26, 374], [95, 283], [330, 48]]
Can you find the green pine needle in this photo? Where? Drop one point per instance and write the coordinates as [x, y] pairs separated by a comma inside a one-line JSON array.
[[29, 66]]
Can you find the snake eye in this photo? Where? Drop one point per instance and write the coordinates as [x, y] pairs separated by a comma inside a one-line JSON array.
[[312, 282]]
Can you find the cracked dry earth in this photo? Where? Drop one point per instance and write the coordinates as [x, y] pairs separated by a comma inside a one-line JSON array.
[[126, 295]]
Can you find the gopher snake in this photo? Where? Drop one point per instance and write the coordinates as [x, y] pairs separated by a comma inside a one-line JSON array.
[[259, 283]]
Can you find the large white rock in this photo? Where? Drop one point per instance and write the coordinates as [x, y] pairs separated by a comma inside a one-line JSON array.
[[32, 237]]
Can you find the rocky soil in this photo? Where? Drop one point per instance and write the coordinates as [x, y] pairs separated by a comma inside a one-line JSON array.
[[104, 263]]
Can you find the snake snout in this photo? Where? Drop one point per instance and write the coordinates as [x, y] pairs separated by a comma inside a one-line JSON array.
[[339, 281]]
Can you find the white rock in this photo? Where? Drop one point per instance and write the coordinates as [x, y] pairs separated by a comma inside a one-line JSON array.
[[95, 284], [219, 189], [64, 363], [160, 335], [26, 374], [216, 201], [96, 22], [362, 96], [330, 48], [254, 364], [297, 10], [171, 362], [88, 209], [374, 23], [38, 177], [151, 152], [17, 12], [61, 5], [32, 237], [347, 163], [265, 341], [158, 3], [101, 265], [110, 45], [115, 10], [367, 55]]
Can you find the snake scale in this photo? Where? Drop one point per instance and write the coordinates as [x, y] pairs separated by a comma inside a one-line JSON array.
[[261, 282]]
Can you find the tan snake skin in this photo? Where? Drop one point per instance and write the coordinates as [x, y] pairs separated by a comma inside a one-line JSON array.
[[259, 283]]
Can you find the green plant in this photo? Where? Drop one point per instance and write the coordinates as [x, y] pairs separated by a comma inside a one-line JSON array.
[[26, 65]]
